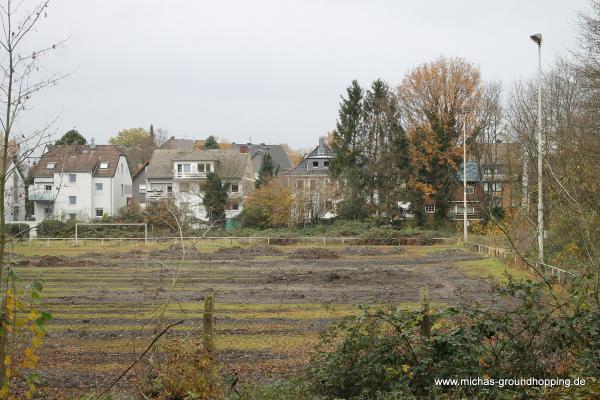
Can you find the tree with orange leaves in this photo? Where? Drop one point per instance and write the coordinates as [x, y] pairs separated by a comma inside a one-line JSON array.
[[434, 98]]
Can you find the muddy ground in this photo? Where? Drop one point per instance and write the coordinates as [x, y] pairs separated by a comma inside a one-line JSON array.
[[105, 305]]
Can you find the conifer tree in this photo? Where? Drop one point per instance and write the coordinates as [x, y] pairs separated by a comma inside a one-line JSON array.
[[215, 197], [267, 170]]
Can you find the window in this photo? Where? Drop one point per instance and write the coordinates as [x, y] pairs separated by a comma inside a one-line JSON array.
[[47, 211], [48, 187], [169, 188], [186, 168], [492, 187], [72, 216], [99, 212], [51, 165], [430, 208], [235, 188], [122, 189], [103, 165], [299, 184], [16, 212], [235, 206], [313, 184], [184, 187], [142, 188], [470, 189], [490, 170], [72, 178], [72, 200], [99, 187], [200, 167], [326, 163], [315, 163], [121, 168], [460, 210]]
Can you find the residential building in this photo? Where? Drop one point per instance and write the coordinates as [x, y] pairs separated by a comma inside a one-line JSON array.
[[80, 182], [312, 187], [280, 158], [14, 195], [180, 175], [493, 170], [138, 183]]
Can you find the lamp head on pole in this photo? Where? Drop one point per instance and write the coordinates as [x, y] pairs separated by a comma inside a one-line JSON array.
[[537, 38]]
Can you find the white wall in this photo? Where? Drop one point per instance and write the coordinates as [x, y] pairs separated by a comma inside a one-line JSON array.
[[121, 188], [14, 195]]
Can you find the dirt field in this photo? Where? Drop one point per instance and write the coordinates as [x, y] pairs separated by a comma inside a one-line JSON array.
[[271, 302]]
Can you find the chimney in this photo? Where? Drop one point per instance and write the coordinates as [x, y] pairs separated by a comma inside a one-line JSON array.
[[243, 148], [321, 145]]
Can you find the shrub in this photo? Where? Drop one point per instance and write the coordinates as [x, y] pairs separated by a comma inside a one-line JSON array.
[[398, 352], [17, 230], [56, 228]]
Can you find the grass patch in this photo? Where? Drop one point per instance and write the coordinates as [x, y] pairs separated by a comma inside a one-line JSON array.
[[491, 267]]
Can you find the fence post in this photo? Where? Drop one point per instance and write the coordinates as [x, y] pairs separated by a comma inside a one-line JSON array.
[[207, 325], [425, 323]]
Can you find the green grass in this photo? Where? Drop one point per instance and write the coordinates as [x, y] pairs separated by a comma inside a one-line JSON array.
[[491, 267]]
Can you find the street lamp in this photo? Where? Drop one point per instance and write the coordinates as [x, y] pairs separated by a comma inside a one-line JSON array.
[[465, 178], [537, 38]]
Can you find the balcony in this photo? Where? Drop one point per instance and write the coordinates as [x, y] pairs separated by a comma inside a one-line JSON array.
[[155, 195], [189, 175], [39, 193]]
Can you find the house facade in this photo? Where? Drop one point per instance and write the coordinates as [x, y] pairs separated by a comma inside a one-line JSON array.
[[80, 182], [493, 174], [312, 187], [14, 195], [180, 175]]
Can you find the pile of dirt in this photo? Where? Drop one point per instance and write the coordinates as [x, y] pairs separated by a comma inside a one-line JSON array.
[[174, 252], [239, 253], [314, 253], [371, 250], [53, 261]]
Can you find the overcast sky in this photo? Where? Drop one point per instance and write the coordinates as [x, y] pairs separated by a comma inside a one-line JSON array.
[[272, 71]]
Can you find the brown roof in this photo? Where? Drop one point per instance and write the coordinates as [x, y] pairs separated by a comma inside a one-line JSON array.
[[79, 158]]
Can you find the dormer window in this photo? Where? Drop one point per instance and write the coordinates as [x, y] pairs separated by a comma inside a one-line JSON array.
[[103, 165], [315, 163], [51, 165]]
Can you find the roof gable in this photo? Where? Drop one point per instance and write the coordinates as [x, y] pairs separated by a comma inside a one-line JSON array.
[[79, 158]]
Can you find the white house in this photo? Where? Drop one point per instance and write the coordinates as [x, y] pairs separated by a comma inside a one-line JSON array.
[[179, 175], [80, 182], [14, 195]]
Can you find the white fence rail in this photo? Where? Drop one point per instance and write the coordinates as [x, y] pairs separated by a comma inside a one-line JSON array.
[[560, 274], [249, 240]]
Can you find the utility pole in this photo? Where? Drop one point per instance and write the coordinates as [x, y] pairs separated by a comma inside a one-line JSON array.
[[465, 178], [537, 38]]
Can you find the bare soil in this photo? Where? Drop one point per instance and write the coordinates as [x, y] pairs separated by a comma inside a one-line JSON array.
[[112, 289]]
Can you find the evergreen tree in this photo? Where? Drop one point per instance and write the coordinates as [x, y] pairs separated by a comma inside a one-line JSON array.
[[348, 166], [71, 137], [267, 170], [215, 198], [211, 143]]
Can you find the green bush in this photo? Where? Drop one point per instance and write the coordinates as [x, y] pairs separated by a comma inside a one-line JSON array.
[[17, 230], [395, 352], [56, 228]]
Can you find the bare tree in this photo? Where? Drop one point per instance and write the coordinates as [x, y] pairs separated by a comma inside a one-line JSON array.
[[19, 82]]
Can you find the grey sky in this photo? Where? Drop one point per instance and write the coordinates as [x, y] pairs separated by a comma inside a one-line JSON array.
[[270, 70]]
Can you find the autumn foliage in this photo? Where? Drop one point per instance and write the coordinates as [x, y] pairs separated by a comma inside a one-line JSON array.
[[270, 206], [435, 97]]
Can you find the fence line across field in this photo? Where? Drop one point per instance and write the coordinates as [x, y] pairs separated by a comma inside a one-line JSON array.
[[561, 274], [250, 240], [112, 224]]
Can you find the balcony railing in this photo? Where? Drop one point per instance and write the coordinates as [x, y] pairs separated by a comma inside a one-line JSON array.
[[189, 175], [39, 193], [158, 195]]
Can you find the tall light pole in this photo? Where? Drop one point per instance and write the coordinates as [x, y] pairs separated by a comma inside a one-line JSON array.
[[465, 178], [537, 38]]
